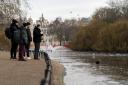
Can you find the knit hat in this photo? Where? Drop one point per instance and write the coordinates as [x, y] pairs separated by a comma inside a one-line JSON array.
[[28, 23], [38, 25], [24, 24], [14, 21]]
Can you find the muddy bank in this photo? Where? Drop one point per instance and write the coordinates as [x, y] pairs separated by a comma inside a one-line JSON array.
[[58, 73]]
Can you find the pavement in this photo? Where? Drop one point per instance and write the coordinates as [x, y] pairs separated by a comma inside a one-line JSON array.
[[14, 72]]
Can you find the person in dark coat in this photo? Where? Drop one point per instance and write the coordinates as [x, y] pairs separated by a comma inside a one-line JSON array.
[[29, 40], [14, 45], [23, 41], [37, 40]]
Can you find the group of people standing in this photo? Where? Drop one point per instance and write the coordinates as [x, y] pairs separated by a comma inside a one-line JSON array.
[[21, 37]]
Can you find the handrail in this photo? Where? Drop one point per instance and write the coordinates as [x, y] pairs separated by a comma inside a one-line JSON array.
[[48, 71]]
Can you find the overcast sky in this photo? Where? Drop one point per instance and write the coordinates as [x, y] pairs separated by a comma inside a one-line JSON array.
[[64, 8]]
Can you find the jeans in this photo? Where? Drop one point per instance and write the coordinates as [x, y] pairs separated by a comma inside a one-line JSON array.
[[21, 51], [27, 47], [36, 53], [13, 50]]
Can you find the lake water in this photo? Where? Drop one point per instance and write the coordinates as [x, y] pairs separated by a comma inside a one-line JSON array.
[[79, 72]]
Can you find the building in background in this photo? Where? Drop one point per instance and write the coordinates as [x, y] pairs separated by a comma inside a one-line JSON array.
[[44, 23]]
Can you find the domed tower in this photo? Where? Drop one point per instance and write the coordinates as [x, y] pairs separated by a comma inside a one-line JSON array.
[[30, 20]]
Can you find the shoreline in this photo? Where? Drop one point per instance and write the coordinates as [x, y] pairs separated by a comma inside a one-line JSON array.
[[58, 69], [106, 52]]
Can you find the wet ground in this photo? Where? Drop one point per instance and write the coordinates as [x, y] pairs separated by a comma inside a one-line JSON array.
[[80, 72]]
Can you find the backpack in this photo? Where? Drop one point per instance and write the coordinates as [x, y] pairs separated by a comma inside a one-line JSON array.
[[8, 33], [16, 36]]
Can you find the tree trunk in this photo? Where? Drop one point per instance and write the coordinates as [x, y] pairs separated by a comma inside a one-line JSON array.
[[60, 42]]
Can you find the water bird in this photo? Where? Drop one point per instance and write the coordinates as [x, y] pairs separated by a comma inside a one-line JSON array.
[[97, 62], [93, 55]]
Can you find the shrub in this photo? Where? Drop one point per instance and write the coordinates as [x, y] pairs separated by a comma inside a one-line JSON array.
[[4, 42]]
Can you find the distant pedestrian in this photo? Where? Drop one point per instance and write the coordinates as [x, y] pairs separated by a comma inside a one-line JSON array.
[[14, 44], [23, 41], [29, 40], [37, 40]]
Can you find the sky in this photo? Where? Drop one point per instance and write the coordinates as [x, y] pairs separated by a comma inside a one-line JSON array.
[[66, 9]]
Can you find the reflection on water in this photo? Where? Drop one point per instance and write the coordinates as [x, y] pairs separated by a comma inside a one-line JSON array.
[[79, 72]]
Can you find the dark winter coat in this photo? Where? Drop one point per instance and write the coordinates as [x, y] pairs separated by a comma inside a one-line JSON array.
[[37, 35], [13, 27], [23, 35], [29, 35]]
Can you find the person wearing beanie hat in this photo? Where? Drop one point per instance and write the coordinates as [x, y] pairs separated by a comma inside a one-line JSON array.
[[29, 40], [38, 25], [28, 23], [37, 40], [14, 45], [14, 21]]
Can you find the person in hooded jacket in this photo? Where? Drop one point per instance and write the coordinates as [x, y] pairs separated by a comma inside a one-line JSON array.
[[27, 46], [23, 42]]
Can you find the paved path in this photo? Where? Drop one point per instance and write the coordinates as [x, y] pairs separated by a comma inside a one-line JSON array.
[[13, 72]]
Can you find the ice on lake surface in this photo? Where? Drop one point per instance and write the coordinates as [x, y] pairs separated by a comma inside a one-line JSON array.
[[78, 72]]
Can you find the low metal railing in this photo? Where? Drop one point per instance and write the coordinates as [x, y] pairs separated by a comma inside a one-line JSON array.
[[48, 71]]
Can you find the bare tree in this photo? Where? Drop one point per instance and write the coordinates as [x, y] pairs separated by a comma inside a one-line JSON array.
[[9, 9], [121, 5], [107, 14], [64, 31]]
